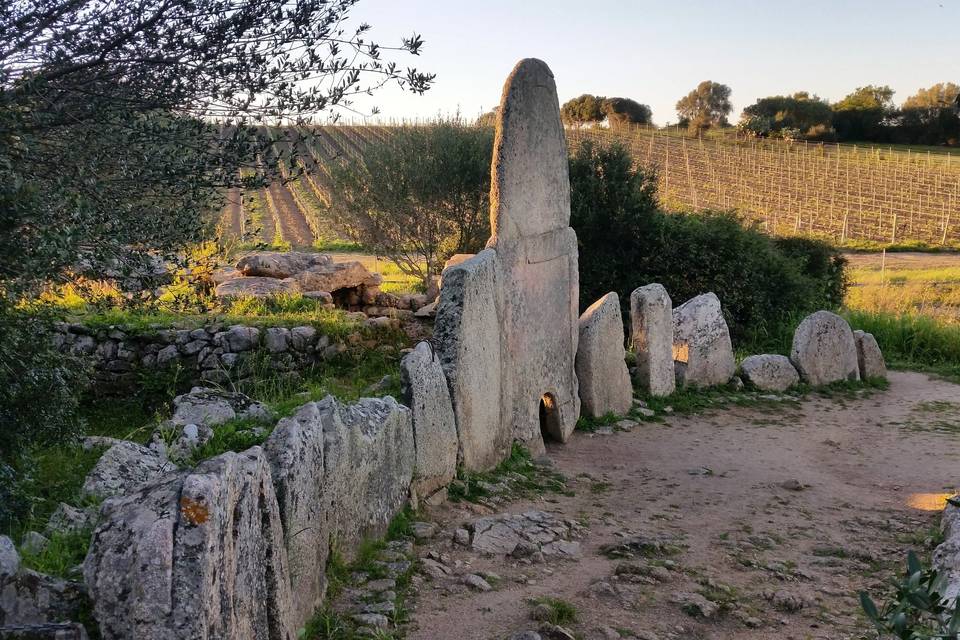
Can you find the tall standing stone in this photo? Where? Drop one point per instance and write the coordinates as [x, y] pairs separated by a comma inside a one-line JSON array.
[[702, 350], [537, 250], [605, 385], [651, 337], [468, 338], [824, 349]]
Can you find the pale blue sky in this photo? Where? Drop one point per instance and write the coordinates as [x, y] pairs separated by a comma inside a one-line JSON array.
[[655, 52]]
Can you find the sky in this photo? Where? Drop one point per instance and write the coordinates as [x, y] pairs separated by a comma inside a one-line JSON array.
[[656, 52]]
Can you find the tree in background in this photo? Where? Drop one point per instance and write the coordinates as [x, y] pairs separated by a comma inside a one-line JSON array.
[[583, 110], [706, 106], [419, 196], [865, 114], [930, 117], [120, 124], [624, 111], [488, 119], [790, 117]]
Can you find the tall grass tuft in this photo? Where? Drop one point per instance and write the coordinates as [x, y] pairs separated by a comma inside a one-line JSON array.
[[913, 341]]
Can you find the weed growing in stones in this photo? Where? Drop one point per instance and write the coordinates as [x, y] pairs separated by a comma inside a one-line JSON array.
[[61, 555], [554, 610], [588, 424], [517, 476]]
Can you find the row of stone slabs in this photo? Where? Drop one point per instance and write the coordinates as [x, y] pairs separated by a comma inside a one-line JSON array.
[[691, 346]]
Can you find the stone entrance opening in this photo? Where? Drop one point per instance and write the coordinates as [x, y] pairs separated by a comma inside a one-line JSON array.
[[550, 426]]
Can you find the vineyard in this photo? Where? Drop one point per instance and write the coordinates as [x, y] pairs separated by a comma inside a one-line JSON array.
[[843, 193]]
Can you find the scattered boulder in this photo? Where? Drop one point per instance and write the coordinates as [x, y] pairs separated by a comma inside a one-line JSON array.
[[67, 519], [467, 336], [702, 351], [209, 407], [195, 555], [605, 385], [124, 467], [770, 372], [824, 349], [695, 605], [275, 264], [651, 336], [869, 356], [9, 558], [425, 391], [27, 597]]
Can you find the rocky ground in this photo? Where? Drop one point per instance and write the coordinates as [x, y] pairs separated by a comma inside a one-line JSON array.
[[755, 522]]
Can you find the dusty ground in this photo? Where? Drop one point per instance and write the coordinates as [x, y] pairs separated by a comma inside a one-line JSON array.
[[713, 484]]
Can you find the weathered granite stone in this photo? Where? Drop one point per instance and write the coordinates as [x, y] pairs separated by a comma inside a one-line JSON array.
[[303, 337], [425, 391], [241, 338], [467, 335], [605, 385], [198, 554], [210, 407], [824, 349], [770, 372], [341, 473], [334, 276], [276, 339], [67, 519], [9, 558], [869, 356], [702, 351], [537, 251], [28, 597], [167, 355], [946, 557], [256, 287], [123, 468], [274, 264], [651, 336]]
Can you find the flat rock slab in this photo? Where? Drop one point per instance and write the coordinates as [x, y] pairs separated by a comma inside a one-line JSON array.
[[277, 264], [869, 357], [254, 287], [123, 468], [824, 350], [335, 276], [770, 372], [651, 337], [605, 385], [525, 533], [702, 350]]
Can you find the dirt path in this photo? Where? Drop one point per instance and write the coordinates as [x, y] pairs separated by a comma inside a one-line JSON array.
[[233, 215], [720, 491], [904, 260], [293, 225]]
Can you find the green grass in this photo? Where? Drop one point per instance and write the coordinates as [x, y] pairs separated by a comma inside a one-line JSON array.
[[339, 245], [559, 612], [64, 552], [525, 479], [913, 342]]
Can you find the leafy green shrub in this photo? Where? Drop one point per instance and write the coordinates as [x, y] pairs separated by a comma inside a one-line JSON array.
[[419, 196], [38, 400], [626, 242], [917, 608]]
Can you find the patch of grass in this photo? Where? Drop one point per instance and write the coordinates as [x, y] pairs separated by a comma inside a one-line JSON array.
[[600, 487], [64, 552], [235, 435], [559, 612], [518, 475], [913, 342], [339, 245], [589, 424]]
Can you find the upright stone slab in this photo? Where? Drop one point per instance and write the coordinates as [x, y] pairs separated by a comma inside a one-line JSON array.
[[605, 385], [468, 338], [651, 337], [295, 452], [824, 349], [198, 554], [425, 391], [869, 356], [537, 250], [702, 351]]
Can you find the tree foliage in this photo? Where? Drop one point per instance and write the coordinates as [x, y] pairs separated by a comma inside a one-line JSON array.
[[864, 114], [582, 110], [624, 111], [706, 106], [419, 196], [788, 116]]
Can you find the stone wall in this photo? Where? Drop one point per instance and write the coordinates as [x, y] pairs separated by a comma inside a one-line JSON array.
[[214, 353]]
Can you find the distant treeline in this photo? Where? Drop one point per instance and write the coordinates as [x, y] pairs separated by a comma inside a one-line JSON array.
[[868, 114]]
